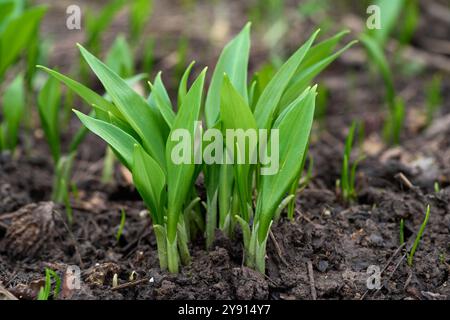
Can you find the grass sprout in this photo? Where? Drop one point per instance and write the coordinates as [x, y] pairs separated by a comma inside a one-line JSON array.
[[44, 292], [433, 95], [123, 217], [413, 250], [348, 172]]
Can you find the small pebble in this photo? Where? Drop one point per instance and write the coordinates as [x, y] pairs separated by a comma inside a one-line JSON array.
[[323, 266], [376, 239]]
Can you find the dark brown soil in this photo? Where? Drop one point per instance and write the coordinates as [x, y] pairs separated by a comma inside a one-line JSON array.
[[324, 254]]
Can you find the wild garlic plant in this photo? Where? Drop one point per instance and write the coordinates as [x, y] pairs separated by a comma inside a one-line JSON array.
[[145, 135]]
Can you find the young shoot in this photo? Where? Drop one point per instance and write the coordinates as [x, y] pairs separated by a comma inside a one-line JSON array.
[[45, 291], [121, 225], [433, 95], [348, 172], [410, 255]]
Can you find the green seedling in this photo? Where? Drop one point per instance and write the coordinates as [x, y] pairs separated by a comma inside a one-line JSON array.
[[410, 21], [348, 172], [140, 11], [120, 58], [97, 23], [437, 188], [17, 30], [374, 40], [122, 225], [44, 292], [13, 108], [411, 253], [433, 95]]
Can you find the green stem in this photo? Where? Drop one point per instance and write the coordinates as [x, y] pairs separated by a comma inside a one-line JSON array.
[[108, 166], [161, 244], [211, 219], [225, 190], [62, 177], [183, 243], [172, 255]]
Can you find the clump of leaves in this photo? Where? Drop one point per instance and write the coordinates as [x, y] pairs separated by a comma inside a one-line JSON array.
[[44, 292], [141, 134], [348, 172], [418, 237]]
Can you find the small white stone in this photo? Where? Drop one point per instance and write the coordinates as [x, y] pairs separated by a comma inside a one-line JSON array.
[[151, 280], [143, 214]]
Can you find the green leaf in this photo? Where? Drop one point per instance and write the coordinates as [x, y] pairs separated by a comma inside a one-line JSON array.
[[140, 12], [162, 100], [233, 61], [123, 125], [88, 95], [13, 109], [182, 88], [97, 23], [120, 58], [49, 101], [377, 55], [132, 106], [411, 21], [294, 130], [304, 77], [269, 100], [389, 16], [16, 36], [119, 140], [6, 10], [150, 182], [234, 110], [322, 50], [179, 176], [236, 114]]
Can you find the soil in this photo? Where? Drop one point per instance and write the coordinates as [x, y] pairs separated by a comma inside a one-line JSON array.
[[325, 253]]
